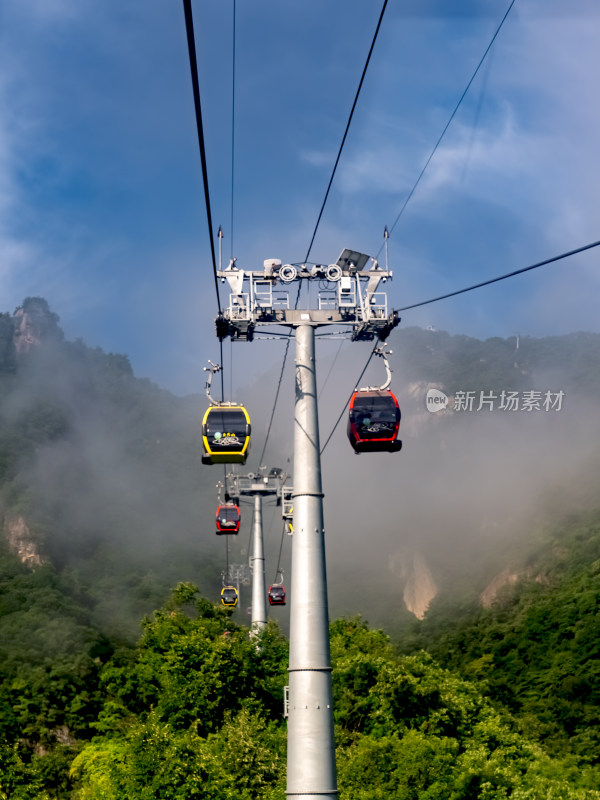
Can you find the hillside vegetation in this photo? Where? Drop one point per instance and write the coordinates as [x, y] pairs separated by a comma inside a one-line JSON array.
[[535, 650], [195, 710], [114, 686], [104, 470]]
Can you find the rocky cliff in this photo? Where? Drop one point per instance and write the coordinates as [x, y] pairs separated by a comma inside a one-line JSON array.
[[21, 541], [420, 587], [33, 322]]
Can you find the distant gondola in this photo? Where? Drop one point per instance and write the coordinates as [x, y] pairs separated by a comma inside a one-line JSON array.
[[229, 596], [276, 595], [225, 435], [374, 421], [228, 518]]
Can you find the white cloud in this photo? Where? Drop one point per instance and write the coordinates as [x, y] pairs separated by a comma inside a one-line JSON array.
[[99, 163]]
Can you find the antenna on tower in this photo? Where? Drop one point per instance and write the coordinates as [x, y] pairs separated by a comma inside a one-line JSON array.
[[386, 238], [220, 235]]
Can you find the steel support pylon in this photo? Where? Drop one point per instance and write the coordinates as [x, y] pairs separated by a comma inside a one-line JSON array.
[[311, 771], [257, 563]]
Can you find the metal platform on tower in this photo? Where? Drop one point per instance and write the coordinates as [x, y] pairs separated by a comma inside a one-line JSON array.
[[348, 296]]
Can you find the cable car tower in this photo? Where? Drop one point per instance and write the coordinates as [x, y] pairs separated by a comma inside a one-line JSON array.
[[348, 297], [264, 484]]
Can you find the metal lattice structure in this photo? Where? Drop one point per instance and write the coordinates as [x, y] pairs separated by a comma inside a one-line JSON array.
[[348, 296]]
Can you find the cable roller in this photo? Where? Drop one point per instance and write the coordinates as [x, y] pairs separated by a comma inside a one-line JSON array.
[[288, 273], [333, 272]]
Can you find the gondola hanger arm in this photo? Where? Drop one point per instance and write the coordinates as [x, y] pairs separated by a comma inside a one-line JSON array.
[[214, 368], [383, 352]]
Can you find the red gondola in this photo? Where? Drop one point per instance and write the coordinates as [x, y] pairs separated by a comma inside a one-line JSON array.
[[228, 518], [276, 595], [374, 421]]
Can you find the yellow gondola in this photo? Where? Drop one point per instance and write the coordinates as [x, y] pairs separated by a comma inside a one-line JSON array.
[[225, 434], [229, 596]]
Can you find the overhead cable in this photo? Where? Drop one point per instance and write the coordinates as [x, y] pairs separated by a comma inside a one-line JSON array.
[[189, 29], [262, 455], [233, 53], [287, 347], [338, 351], [359, 379], [278, 571], [347, 128], [233, 123], [227, 557], [283, 363], [502, 277], [248, 550], [462, 291], [412, 191], [443, 133]]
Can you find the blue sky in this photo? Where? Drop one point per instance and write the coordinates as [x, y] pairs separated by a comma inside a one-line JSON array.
[[101, 204]]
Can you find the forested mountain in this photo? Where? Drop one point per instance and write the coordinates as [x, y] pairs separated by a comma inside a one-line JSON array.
[[100, 471], [105, 507], [195, 711], [535, 648], [464, 505]]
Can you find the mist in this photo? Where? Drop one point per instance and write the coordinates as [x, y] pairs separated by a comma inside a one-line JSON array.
[[108, 477], [471, 492], [111, 483]]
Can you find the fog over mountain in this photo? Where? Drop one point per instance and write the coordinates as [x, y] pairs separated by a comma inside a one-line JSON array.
[[104, 468], [471, 489]]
